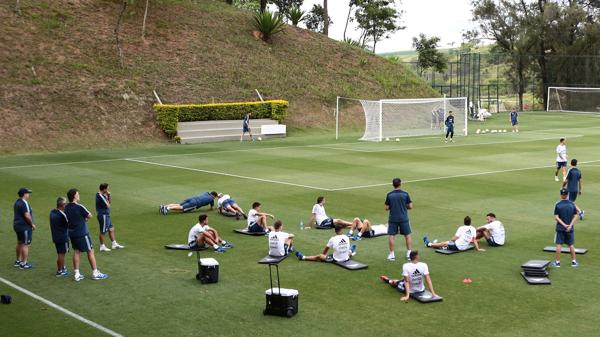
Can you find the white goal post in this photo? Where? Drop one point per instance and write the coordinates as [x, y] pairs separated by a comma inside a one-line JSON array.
[[389, 118], [573, 99]]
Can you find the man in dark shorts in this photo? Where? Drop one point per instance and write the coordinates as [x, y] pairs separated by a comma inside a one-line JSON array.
[[77, 216], [23, 225], [565, 213], [191, 204], [573, 184], [103, 204], [59, 228], [246, 127], [398, 202]]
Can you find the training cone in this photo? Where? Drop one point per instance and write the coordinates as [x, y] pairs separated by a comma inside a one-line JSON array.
[[467, 280]]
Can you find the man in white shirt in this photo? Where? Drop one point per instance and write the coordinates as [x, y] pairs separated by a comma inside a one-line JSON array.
[[201, 233], [280, 243], [340, 244], [364, 228], [561, 159], [465, 235], [322, 220], [228, 207], [257, 220], [415, 275], [493, 231]]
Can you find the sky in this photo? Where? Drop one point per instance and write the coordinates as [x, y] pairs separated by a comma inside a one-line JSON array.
[[443, 18]]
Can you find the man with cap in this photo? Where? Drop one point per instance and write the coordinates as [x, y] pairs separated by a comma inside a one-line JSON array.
[[59, 228], [77, 216], [565, 213], [23, 224]]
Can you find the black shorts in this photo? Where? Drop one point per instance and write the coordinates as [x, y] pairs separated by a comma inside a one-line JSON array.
[[560, 164], [492, 243], [564, 238], [62, 247], [399, 227], [82, 244], [327, 223], [573, 196], [452, 246], [25, 236], [368, 234]]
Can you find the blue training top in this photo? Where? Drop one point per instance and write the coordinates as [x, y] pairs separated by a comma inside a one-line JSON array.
[[573, 178], [77, 217], [101, 204], [565, 210], [398, 200], [59, 226], [20, 208], [514, 115], [449, 122]]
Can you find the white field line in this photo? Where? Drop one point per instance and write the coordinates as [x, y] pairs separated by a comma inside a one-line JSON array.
[[453, 176], [61, 309], [227, 174], [439, 146]]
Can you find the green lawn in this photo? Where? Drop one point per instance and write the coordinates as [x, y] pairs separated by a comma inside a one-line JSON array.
[[153, 292]]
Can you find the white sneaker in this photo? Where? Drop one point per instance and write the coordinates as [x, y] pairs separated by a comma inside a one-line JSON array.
[[78, 277], [408, 255], [99, 276], [555, 178], [103, 248], [391, 257], [116, 245]]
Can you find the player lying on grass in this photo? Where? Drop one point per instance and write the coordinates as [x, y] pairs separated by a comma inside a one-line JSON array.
[[257, 220], [201, 233], [191, 204], [414, 276], [493, 231], [340, 244], [322, 220], [228, 207], [465, 235], [365, 229], [280, 242]]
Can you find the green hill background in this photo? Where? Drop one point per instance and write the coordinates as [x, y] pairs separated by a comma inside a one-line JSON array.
[[63, 88]]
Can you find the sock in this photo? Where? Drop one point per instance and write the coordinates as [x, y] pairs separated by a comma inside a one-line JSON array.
[[95, 272], [76, 271], [429, 244], [223, 243], [574, 261], [216, 246], [359, 234], [350, 232]]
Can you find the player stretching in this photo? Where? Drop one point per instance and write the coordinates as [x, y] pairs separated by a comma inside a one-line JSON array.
[[561, 159], [514, 120], [449, 127]]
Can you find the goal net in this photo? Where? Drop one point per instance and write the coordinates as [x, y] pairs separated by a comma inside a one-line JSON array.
[[567, 99], [406, 117]]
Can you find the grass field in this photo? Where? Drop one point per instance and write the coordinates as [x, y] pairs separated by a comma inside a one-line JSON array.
[[153, 292]]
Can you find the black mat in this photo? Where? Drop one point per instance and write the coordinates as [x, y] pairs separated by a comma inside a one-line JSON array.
[[450, 251], [375, 236], [536, 273], [245, 232], [536, 264], [426, 297], [535, 280], [565, 250], [351, 265], [323, 227], [179, 246], [272, 259]]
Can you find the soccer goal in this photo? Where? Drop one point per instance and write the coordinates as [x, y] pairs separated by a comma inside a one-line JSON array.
[[568, 99], [389, 118]]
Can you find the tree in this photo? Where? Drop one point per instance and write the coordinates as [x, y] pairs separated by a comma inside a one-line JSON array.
[[144, 21], [428, 54], [351, 5], [116, 33], [377, 19], [325, 18], [314, 20], [284, 6]]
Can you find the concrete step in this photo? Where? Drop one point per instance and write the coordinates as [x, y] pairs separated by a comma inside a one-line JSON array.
[[211, 132], [221, 138], [207, 125]]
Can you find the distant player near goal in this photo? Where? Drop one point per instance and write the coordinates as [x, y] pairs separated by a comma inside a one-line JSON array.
[[449, 127], [561, 159], [514, 120]]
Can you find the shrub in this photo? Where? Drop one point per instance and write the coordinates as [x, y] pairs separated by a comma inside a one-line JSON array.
[[296, 15], [268, 24], [168, 115]]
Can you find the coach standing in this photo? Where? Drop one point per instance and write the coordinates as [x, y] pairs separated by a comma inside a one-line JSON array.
[[23, 226], [59, 229], [398, 202]]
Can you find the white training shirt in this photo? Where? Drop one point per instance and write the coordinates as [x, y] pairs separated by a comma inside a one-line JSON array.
[[195, 231], [379, 229], [341, 247], [223, 198], [252, 217], [496, 229], [319, 212], [276, 242], [416, 275], [561, 152], [465, 235]]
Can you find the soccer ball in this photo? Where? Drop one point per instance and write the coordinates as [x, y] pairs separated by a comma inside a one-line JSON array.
[[504, 130], [259, 138], [487, 130], [478, 131], [493, 131], [397, 139], [387, 139]]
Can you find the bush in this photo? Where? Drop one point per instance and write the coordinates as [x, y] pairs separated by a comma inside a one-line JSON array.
[[168, 115], [268, 24], [295, 15]]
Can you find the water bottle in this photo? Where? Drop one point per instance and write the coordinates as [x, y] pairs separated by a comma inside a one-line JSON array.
[[301, 225]]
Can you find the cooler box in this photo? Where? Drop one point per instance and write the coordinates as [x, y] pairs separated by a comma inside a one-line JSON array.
[[281, 302], [208, 270]]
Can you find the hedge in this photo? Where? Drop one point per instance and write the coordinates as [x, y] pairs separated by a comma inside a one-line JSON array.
[[168, 115]]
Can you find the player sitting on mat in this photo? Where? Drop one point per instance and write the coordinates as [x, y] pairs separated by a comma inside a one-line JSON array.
[[201, 233], [414, 274], [280, 243], [190, 204], [228, 207], [465, 235], [257, 220], [493, 231], [322, 220], [340, 244], [365, 229]]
